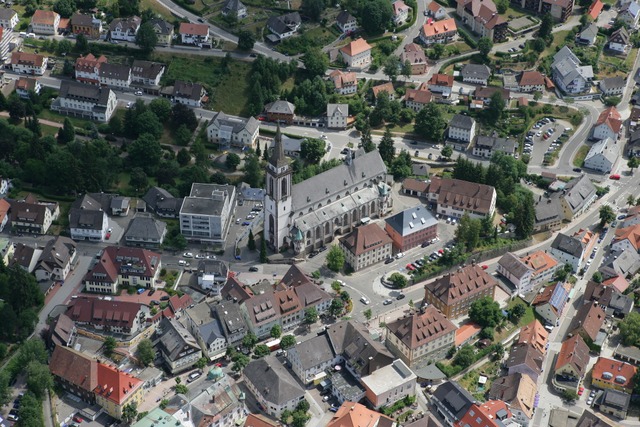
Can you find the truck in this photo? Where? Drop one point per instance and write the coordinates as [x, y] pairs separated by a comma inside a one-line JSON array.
[[273, 345]]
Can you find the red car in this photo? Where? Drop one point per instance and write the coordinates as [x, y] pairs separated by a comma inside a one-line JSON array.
[[580, 391], [77, 419], [615, 176], [410, 267], [484, 267]]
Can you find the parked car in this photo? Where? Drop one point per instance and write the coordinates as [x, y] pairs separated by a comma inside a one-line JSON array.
[[388, 260], [399, 255], [253, 269], [387, 302], [401, 296], [187, 255]]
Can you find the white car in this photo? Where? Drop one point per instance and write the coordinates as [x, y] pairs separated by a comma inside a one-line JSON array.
[[399, 255], [589, 401], [364, 300], [187, 255], [138, 93]]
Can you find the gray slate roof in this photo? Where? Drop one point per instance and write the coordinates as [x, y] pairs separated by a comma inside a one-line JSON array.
[[86, 219], [612, 83], [568, 244], [145, 227], [165, 27], [461, 121], [234, 122], [344, 17], [454, 398], [412, 220], [174, 338], [280, 107], [211, 331], [273, 381], [233, 6], [495, 143], [146, 69], [620, 263], [590, 32], [513, 264], [476, 71], [284, 23], [83, 92], [577, 192], [617, 399], [314, 352], [158, 198]]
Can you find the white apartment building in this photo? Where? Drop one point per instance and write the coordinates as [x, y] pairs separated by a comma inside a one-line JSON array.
[[233, 131], [357, 54], [462, 128], [45, 22], [337, 115], [29, 63], [8, 18], [91, 102], [205, 214]]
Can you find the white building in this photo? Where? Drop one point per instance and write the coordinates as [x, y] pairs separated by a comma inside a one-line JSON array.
[[212, 275], [205, 214], [608, 125], [233, 131], [346, 22], [337, 115], [630, 14], [115, 75], [455, 197], [311, 358], [515, 271], [619, 41], [345, 83], [45, 22], [401, 12], [146, 73], [29, 63], [125, 29], [478, 74], [195, 34], [81, 100], [389, 384], [8, 18], [613, 86], [357, 54], [26, 85], [188, 93], [602, 156], [462, 128], [568, 73], [568, 250]]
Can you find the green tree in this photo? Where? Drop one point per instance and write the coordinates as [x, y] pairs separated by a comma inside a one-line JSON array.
[[246, 40], [516, 312], [181, 389], [375, 16], [253, 172], [130, 412], [261, 350], [201, 363], [287, 341], [633, 163], [485, 312], [311, 315], [392, 66], [631, 201], [161, 107], [276, 331], [546, 26], [82, 44], [437, 51], [368, 314], [232, 161], [65, 8], [386, 147], [240, 361], [597, 277], [249, 341], [484, 46], [524, 216], [312, 150], [398, 280], [430, 122], [251, 243], [182, 135], [109, 346], [335, 259], [315, 62], [183, 157], [630, 329], [607, 215], [337, 307], [145, 152], [313, 9], [146, 38], [447, 151], [487, 333], [183, 115], [128, 7], [496, 108], [539, 45], [39, 378], [465, 356], [263, 250], [67, 133], [64, 47], [569, 395], [145, 352], [138, 180], [366, 140], [502, 6]]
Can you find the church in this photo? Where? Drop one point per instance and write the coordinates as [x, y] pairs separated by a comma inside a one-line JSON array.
[[308, 215]]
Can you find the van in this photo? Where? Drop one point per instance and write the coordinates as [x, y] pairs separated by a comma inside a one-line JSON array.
[[194, 376], [31, 36], [23, 34], [182, 262]]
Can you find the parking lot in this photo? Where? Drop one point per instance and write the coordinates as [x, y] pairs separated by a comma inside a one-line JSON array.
[[545, 137]]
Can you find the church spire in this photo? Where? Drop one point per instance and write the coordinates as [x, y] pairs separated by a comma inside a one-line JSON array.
[[277, 158]]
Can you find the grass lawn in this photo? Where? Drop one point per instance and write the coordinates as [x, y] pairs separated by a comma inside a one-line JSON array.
[[58, 118], [529, 315], [578, 160], [231, 94], [49, 130], [157, 8], [558, 40]]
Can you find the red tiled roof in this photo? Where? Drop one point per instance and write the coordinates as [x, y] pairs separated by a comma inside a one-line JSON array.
[[441, 80], [356, 47], [385, 87], [611, 117], [466, 332], [95, 311], [531, 78], [365, 238], [434, 6], [461, 284], [632, 234], [574, 351], [89, 62], [114, 384], [194, 29], [44, 17], [32, 59], [595, 9], [419, 96], [74, 367], [534, 334], [589, 318], [413, 184], [4, 209], [435, 28], [421, 328], [617, 369], [620, 283]]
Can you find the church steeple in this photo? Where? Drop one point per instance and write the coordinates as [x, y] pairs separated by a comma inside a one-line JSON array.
[[278, 158]]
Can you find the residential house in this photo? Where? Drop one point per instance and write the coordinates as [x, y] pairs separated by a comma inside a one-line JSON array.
[[123, 266], [87, 68], [625, 263], [56, 259], [8, 18], [411, 228], [436, 11], [146, 73], [234, 8], [162, 203], [124, 29], [45, 22], [283, 26], [311, 358], [483, 19], [548, 214], [455, 197], [551, 302], [619, 283], [632, 218], [441, 83], [188, 93], [28, 63], [493, 413], [420, 169], [576, 197], [535, 335], [115, 317], [401, 12], [337, 116], [384, 88], [487, 146], [518, 391], [346, 22], [212, 275], [4, 215], [572, 361], [517, 272], [86, 101], [354, 414], [261, 313], [87, 25], [366, 245], [613, 86], [629, 14], [62, 332], [176, 346], [426, 335], [233, 325], [88, 218], [145, 231], [543, 266], [115, 75], [116, 389], [613, 375], [588, 35], [194, 34], [30, 215], [6, 40], [619, 41], [275, 389], [587, 322], [475, 74], [613, 402], [414, 54], [626, 238], [233, 131], [568, 250], [609, 297], [608, 125], [525, 359], [462, 128], [280, 112], [444, 31], [25, 86], [25, 256], [602, 156], [595, 9], [568, 74], [344, 83], [451, 402], [558, 9], [484, 94], [530, 81], [417, 99], [415, 187], [357, 54], [454, 292], [75, 372], [206, 213], [163, 30], [389, 384]]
